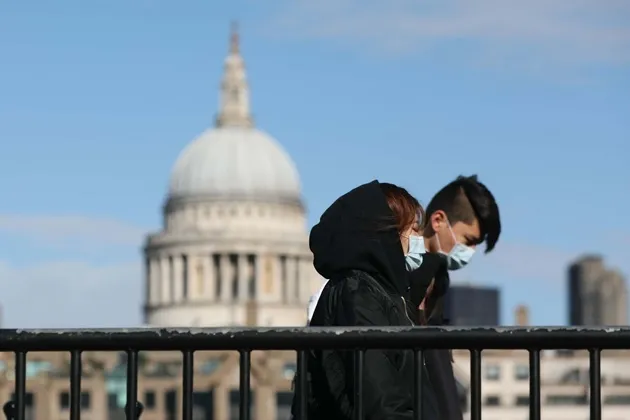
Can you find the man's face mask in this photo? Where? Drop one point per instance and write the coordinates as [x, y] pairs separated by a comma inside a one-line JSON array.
[[459, 255]]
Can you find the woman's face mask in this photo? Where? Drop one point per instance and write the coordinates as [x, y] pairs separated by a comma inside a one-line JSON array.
[[413, 259]]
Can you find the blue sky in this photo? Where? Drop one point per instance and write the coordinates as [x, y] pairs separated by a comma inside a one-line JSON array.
[[98, 98]]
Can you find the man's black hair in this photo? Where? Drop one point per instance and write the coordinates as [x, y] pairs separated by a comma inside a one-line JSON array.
[[465, 200]]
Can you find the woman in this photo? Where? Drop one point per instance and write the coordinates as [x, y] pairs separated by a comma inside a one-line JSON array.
[[360, 245]]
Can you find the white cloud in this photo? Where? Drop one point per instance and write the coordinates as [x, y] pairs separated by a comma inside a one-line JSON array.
[[44, 292], [63, 294], [53, 230], [534, 32]]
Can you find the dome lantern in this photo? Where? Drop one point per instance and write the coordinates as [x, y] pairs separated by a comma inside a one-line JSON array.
[[234, 108]]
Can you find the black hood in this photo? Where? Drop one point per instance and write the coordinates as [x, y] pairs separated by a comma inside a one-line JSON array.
[[357, 232]]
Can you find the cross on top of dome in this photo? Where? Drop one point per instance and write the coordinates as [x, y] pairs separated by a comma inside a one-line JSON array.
[[234, 39]]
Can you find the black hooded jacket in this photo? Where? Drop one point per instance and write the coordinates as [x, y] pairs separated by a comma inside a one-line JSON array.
[[355, 247]]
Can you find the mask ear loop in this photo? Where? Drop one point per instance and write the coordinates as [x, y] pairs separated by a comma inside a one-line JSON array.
[[420, 220], [450, 228], [437, 239]]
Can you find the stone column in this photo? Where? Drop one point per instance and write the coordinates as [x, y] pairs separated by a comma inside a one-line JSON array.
[[148, 285], [154, 281], [165, 280], [178, 269], [160, 398], [299, 286], [41, 398], [262, 283], [221, 403], [99, 410], [191, 275], [179, 399], [208, 269], [265, 402], [243, 277], [196, 277], [290, 278], [279, 285], [305, 279]]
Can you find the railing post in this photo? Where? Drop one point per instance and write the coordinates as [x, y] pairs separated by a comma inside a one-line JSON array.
[[138, 411], [131, 411], [9, 410]]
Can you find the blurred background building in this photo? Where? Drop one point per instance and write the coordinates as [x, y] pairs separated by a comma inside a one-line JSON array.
[[597, 295], [472, 305], [564, 384]]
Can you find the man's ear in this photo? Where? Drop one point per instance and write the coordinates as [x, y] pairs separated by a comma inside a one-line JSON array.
[[437, 220]]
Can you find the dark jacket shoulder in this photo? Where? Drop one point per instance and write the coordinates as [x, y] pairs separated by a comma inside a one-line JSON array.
[[357, 299]]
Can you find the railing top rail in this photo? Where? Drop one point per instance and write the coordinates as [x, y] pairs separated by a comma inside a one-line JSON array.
[[314, 337]]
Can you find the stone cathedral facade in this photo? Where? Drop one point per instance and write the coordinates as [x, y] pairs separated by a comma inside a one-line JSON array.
[[233, 250]]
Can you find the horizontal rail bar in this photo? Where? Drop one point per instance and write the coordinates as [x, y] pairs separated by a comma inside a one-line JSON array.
[[315, 338]]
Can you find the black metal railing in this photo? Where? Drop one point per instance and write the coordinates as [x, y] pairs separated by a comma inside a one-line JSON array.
[[187, 341]]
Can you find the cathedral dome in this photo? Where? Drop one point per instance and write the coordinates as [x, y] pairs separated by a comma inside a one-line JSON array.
[[235, 162], [234, 159]]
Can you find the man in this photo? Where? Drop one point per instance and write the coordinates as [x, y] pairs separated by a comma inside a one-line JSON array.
[[461, 216]]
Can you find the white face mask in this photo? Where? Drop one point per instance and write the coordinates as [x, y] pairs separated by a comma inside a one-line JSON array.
[[413, 259], [459, 256]]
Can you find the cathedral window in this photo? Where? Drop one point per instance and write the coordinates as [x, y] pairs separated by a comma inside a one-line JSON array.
[[283, 277], [171, 278], [218, 279], [296, 279], [251, 279], [234, 272], [184, 277]]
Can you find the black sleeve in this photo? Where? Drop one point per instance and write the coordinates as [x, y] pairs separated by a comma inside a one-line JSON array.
[[384, 395], [440, 369]]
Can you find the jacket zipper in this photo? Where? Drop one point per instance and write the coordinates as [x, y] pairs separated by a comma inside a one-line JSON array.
[[413, 324]]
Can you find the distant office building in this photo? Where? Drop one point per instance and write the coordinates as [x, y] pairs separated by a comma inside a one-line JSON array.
[[597, 295], [467, 305]]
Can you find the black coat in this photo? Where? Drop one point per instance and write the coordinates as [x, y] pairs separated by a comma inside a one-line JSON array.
[[438, 362], [355, 247]]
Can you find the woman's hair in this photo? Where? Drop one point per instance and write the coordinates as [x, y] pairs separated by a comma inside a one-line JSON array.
[[406, 208], [403, 205]]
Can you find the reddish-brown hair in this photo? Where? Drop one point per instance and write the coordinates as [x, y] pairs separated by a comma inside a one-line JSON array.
[[404, 206]]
